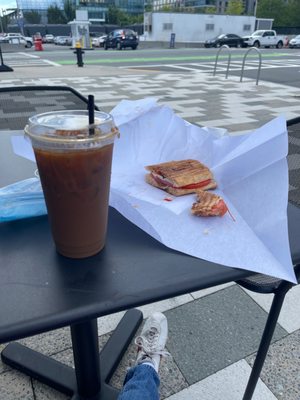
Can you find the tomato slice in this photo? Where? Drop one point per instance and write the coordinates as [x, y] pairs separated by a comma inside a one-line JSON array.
[[220, 208], [196, 185]]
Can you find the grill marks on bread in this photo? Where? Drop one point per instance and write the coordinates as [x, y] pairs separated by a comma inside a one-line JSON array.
[[174, 176], [188, 176]]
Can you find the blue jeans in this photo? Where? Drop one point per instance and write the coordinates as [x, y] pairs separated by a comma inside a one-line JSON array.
[[141, 383]]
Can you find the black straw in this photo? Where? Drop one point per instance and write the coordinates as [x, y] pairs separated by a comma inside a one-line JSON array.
[[91, 109]]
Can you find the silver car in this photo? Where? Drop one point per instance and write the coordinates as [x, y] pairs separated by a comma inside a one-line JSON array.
[[295, 42], [17, 38], [98, 41]]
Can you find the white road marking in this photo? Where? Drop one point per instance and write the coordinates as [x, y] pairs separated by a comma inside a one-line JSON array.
[[52, 63], [222, 64], [22, 59], [29, 55]]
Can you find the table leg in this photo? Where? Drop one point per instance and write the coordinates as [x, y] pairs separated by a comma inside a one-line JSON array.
[[88, 380], [40, 367]]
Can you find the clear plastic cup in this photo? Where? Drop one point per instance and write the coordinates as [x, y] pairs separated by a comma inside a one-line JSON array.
[[74, 164]]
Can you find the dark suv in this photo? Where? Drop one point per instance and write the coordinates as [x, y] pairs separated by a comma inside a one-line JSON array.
[[121, 38]]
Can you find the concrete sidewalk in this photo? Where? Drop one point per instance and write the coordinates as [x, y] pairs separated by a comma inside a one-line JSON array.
[[196, 96], [213, 334]]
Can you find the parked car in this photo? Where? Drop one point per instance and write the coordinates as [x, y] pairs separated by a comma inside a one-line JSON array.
[[49, 38], [57, 39], [8, 37], [98, 41], [63, 40], [230, 39], [121, 38], [17, 40], [265, 38], [295, 42]]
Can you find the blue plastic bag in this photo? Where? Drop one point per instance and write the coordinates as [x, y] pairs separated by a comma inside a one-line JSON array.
[[22, 199]]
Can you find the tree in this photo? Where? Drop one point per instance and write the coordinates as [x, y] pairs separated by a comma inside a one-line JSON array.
[[118, 17], [69, 10], [166, 8], [209, 10], [276, 9], [113, 15], [32, 17], [148, 8], [55, 15], [293, 13], [235, 7]]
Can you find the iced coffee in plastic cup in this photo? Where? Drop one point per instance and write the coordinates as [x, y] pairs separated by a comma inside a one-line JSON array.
[[74, 164]]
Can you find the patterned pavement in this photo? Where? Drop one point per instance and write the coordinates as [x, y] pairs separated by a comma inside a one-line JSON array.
[[214, 333], [198, 97]]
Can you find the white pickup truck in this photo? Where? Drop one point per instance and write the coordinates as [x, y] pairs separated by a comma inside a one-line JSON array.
[[264, 38]]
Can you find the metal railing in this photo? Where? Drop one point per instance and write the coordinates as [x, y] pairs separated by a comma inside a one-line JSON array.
[[244, 60], [229, 59], [259, 65]]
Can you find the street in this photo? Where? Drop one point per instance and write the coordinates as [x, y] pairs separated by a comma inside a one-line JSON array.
[[278, 66]]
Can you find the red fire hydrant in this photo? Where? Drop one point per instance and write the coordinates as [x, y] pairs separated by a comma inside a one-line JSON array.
[[38, 45]]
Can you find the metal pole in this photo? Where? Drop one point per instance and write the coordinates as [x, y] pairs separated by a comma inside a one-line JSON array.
[[217, 56], [86, 358], [265, 341], [259, 65], [255, 8], [1, 22]]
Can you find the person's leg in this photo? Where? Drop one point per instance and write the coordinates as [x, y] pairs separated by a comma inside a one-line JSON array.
[[142, 381]]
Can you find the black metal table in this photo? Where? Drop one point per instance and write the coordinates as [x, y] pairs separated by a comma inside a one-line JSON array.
[[41, 291]]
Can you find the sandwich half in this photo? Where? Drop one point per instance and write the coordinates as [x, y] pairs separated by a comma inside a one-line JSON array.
[[180, 177], [209, 205]]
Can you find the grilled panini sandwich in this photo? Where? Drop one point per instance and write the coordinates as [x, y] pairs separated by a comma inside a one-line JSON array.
[[180, 177], [208, 205]]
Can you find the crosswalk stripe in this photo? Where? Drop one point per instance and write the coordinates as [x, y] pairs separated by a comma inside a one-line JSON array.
[[222, 65], [52, 63], [21, 59], [29, 55]]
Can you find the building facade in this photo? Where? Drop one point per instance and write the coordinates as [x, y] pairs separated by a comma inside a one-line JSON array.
[[130, 6], [161, 25], [158, 5], [97, 9], [40, 6]]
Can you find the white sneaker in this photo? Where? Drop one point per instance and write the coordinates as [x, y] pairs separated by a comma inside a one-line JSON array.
[[152, 341]]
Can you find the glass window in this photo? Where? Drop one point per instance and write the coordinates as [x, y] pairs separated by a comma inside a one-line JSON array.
[[167, 27], [210, 27]]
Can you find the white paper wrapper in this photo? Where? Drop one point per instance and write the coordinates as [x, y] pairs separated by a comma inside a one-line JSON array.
[[252, 176]]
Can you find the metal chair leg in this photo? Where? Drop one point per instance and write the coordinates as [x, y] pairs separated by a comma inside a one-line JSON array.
[[265, 343]]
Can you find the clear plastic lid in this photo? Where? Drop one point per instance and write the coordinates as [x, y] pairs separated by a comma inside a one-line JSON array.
[[70, 127]]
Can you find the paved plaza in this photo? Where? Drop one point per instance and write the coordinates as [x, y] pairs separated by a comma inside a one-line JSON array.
[[214, 333]]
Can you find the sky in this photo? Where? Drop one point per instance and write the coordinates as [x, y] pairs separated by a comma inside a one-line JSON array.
[[4, 4]]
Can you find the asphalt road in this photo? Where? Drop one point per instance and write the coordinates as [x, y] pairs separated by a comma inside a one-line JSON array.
[[279, 66]]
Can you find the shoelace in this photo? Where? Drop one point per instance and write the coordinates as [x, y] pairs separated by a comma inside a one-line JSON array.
[[147, 344]]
